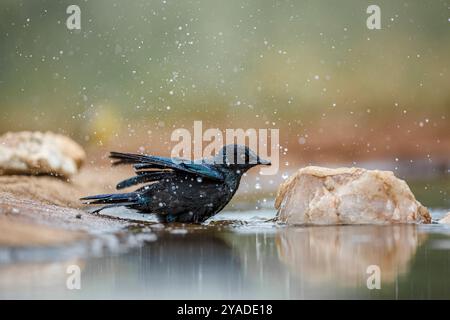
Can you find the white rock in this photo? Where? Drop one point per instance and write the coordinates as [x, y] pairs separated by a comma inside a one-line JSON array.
[[445, 219], [39, 153], [324, 196]]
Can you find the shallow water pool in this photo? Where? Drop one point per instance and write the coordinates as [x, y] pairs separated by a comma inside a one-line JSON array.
[[240, 255]]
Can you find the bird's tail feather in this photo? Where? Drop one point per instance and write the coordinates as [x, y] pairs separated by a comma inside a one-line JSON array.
[[119, 199]]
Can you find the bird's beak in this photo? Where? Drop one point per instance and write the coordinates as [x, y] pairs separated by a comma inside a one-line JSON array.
[[264, 162]]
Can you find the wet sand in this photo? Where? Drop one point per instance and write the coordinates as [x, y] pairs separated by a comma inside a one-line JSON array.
[[42, 210]]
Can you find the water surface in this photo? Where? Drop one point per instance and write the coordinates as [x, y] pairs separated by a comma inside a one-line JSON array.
[[240, 255]]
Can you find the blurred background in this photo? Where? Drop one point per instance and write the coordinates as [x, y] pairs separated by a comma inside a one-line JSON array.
[[340, 94]]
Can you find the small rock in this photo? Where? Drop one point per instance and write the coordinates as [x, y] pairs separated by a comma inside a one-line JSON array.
[[78, 216], [323, 196], [39, 153], [446, 219]]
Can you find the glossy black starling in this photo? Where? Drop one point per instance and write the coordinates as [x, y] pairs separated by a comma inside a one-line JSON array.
[[180, 190]]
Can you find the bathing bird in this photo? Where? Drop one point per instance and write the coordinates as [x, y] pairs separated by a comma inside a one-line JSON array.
[[178, 190]]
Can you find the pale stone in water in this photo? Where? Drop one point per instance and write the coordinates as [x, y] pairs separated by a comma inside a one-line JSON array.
[[39, 153], [324, 196], [445, 219]]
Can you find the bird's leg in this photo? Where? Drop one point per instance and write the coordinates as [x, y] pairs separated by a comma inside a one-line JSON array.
[[97, 211], [171, 218]]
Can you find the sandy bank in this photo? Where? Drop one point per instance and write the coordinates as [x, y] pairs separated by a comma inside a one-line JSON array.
[[42, 210]]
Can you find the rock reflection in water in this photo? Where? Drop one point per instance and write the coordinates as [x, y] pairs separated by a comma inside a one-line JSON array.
[[333, 254]]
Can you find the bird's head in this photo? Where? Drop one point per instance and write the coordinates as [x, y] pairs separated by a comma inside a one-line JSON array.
[[239, 157]]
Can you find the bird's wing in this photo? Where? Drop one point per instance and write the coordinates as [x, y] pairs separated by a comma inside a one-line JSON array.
[[143, 162], [145, 176]]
